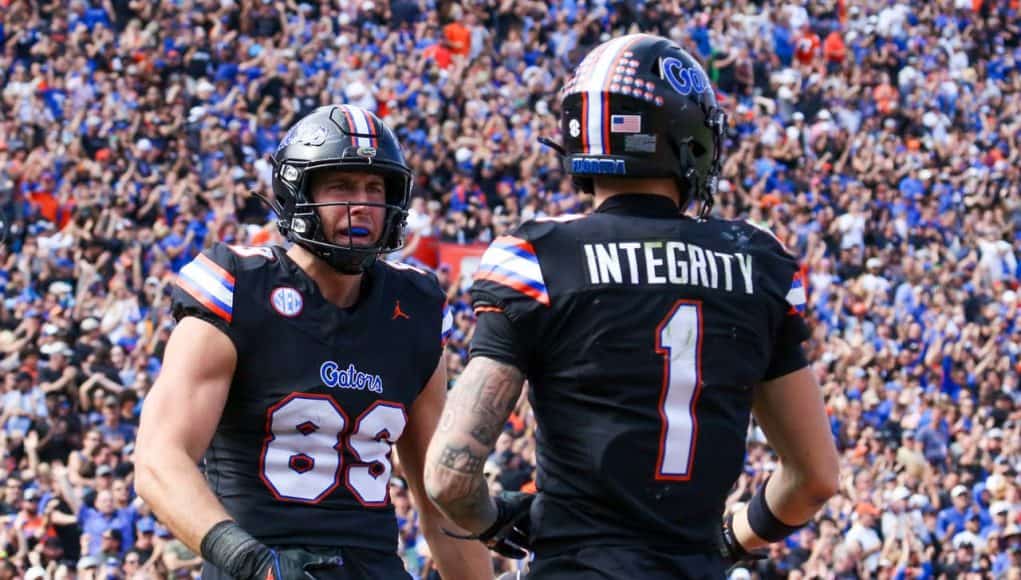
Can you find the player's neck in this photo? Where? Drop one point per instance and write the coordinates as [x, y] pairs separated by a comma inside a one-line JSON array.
[[609, 187], [340, 289]]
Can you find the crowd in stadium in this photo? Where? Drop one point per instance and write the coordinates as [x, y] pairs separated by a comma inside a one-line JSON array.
[[879, 140]]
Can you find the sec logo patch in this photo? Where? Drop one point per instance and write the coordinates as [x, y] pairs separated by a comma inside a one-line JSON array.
[[287, 301]]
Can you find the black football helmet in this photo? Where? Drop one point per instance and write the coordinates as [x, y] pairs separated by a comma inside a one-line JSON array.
[[640, 106], [343, 137]]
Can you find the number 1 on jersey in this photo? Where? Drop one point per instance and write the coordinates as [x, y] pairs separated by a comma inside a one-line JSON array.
[[679, 341]]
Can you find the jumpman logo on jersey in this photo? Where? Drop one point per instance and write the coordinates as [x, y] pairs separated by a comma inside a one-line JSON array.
[[398, 313]]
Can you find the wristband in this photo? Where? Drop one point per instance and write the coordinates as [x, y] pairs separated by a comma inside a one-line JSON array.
[[230, 548], [730, 548], [762, 521]]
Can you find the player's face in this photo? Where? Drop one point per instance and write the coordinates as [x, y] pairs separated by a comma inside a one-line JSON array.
[[365, 224]]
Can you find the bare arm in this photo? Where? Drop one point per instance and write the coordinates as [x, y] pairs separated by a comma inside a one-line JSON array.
[[60, 518], [476, 410], [790, 410], [74, 470], [173, 563], [70, 373], [64, 487], [179, 418], [31, 446], [455, 558]]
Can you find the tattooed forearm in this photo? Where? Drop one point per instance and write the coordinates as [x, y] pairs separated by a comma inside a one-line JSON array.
[[473, 418], [486, 434], [496, 387], [462, 497], [475, 510], [461, 459], [446, 420], [455, 484], [496, 394]]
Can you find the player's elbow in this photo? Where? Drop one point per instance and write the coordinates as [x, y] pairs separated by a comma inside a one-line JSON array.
[[821, 480], [435, 489], [145, 477], [821, 487], [814, 479], [440, 490], [148, 469], [428, 509]]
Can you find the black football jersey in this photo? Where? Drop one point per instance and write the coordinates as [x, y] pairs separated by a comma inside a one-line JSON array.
[[319, 395], [642, 336]]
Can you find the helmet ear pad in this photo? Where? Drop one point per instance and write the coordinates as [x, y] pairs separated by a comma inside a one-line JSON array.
[[584, 184]]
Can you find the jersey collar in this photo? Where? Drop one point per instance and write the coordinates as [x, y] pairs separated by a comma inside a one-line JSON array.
[[640, 205]]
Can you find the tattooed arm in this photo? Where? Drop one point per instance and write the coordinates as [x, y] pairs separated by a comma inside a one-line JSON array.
[[455, 559], [476, 411]]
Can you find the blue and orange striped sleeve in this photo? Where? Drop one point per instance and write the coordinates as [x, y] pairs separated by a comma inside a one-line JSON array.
[[510, 264], [205, 288], [512, 297]]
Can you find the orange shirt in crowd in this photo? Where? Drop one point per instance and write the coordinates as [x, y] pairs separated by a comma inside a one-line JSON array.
[[886, 98], [834, 49], [459, 38], [49, 208], [46, 203], [807, 46], [262, 237], [440, 53], [36, 527]]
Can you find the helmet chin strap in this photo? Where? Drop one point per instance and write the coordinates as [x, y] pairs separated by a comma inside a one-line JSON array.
[[345, 261], [271, 202], [585, 184]]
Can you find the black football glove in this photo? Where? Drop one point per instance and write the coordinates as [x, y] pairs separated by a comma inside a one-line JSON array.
[[237, 553], [508, 535], [732, 552], [295, 565]]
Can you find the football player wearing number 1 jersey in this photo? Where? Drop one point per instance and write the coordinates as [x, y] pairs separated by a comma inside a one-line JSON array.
[[291, 375], [648, 338]]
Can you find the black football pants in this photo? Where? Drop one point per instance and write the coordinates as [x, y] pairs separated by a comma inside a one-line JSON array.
[[625, 563], [359, 564]]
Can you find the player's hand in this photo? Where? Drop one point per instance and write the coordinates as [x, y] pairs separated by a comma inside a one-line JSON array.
[[508, 536], [240, 555], [296, 565]]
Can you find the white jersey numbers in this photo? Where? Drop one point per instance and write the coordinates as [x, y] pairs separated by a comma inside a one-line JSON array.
[[302, 455]]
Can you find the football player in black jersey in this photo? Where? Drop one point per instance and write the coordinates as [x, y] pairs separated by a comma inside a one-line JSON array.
[[648, 338], [291, 374]]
